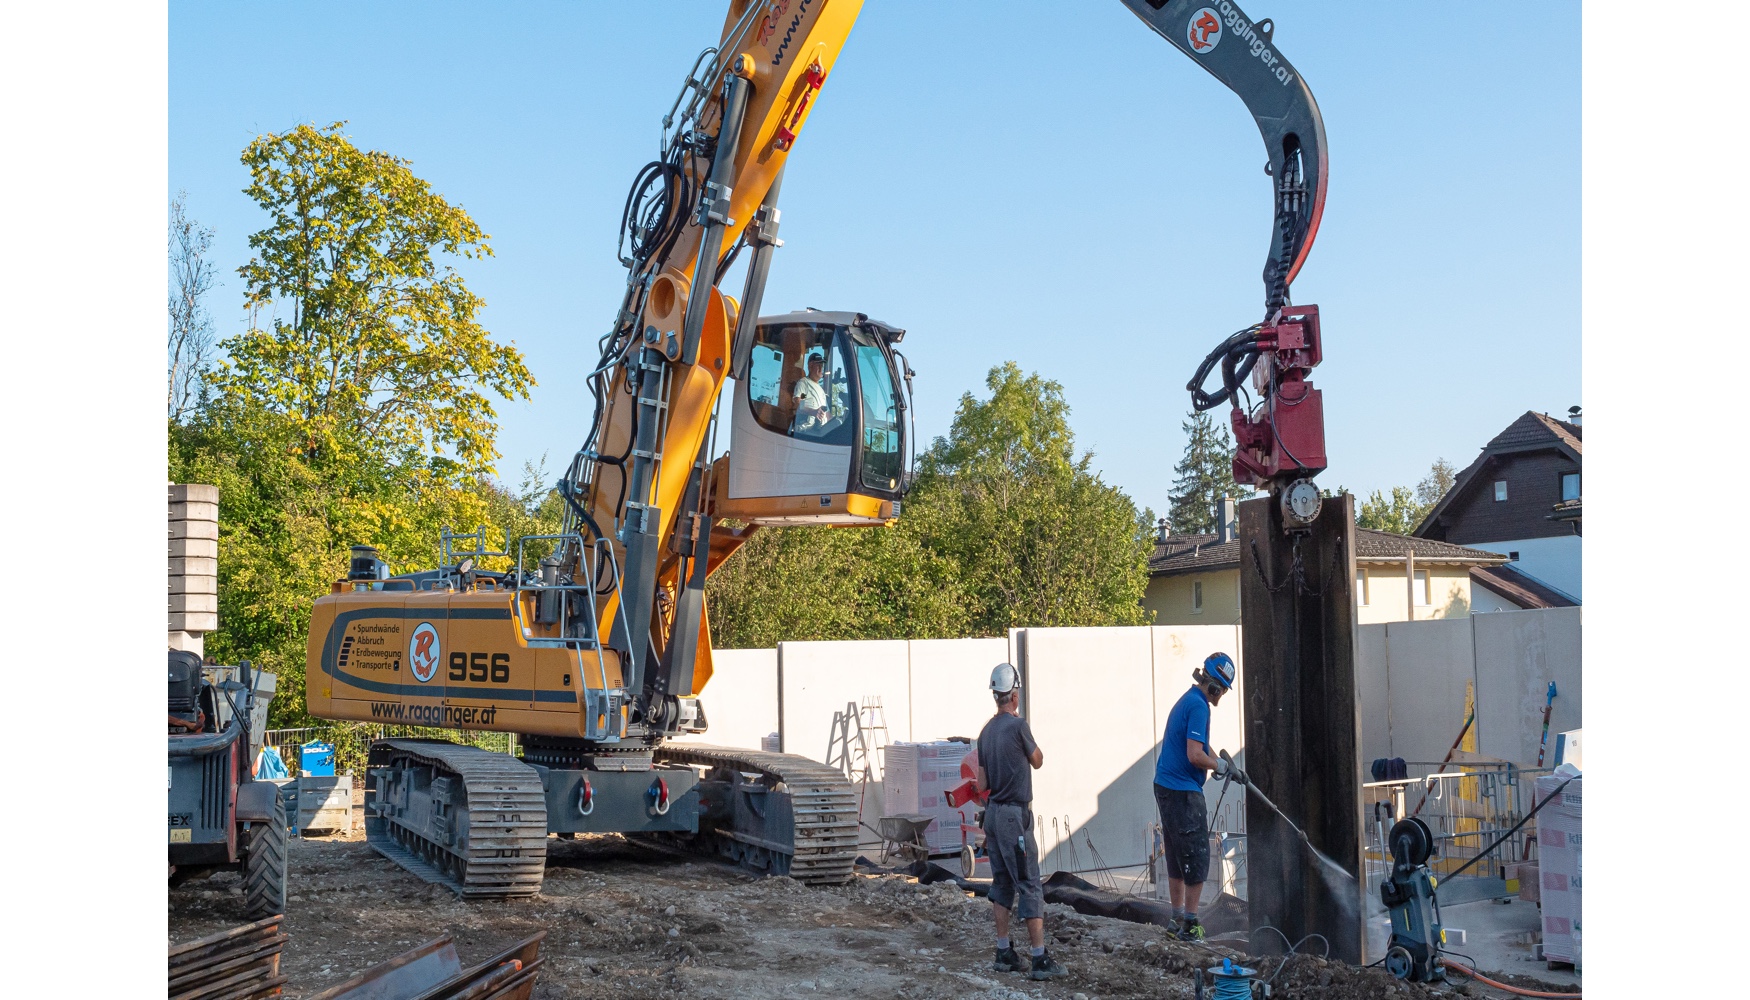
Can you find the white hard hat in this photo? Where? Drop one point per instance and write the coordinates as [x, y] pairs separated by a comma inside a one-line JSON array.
[[1005, 678]]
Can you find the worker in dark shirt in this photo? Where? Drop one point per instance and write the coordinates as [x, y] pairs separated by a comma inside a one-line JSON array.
[[1179, 772], [1007, 756]]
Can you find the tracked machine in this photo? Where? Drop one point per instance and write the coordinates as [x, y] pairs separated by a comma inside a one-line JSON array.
[[592, 645]]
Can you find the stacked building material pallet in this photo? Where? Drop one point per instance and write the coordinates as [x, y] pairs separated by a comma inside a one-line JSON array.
[[1559, 868], [918, 778], [239, 964], [194, 563]]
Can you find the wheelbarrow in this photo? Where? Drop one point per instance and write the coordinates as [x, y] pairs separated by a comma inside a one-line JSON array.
[[903, 835]]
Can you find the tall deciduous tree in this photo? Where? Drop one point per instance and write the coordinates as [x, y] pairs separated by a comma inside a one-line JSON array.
[[1441, 476], [372, 339], [1204, 476], [1005, 527], [191, 328]]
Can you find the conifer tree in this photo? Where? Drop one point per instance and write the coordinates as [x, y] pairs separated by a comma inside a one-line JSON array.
[[1205, 475]]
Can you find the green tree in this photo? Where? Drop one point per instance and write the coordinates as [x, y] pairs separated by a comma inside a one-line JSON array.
[[1397, 513], [1404, 509], [1441, 476], [1205, 475], [1005, 526], [382, 343], [331, 427]]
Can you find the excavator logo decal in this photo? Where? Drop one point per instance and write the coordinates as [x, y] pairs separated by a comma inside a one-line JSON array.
[[1204, 31], [422, 652], [769, 23]]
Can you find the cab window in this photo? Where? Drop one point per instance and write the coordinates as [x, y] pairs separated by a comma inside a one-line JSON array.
[[883, 457], [799, 383]]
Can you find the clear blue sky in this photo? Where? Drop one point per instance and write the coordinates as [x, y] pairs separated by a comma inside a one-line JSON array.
[[1051, 184]]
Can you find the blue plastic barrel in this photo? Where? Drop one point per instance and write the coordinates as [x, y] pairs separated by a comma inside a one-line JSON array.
[[316, 759]]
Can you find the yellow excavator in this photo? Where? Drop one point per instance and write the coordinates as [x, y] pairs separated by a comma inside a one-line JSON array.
[[592, 645]]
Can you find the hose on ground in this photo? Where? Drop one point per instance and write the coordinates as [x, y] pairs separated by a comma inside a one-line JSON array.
[[1479, 977]]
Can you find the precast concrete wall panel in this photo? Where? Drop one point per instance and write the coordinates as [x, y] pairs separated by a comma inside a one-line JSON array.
[[1372, 673], [1518, 654], [817, 679], [1429, 663], [950, 686], [741, 698], [1090, 698]]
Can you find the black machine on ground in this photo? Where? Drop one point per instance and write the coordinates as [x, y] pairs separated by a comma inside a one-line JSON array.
[[221, 817], [1408, 893]]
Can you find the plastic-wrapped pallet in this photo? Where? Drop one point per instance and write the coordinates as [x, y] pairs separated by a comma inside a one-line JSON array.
[[917, 779], [1558, 866]]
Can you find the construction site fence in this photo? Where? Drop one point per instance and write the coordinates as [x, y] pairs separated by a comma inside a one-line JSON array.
[[352, 742], [1467, 807]]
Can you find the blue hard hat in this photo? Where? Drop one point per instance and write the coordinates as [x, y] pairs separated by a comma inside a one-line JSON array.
[[1221, 667]]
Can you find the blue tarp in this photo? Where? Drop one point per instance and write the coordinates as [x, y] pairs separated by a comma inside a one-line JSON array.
[[268, 764]]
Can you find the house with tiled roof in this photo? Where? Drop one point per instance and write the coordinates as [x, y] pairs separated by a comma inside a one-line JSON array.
[[1520, 498], [1195, 579]]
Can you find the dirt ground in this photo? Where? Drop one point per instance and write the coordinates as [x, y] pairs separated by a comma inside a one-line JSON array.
[[624, 921]]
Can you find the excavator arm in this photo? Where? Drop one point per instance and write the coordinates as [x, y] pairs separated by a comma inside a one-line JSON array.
[[1242, 55], [1279, 438]]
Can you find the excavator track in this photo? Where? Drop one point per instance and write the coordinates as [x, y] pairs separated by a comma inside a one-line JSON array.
[[822, 814], [459, 816]]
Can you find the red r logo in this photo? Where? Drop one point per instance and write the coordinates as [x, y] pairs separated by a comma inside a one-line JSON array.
[[1204, 30]]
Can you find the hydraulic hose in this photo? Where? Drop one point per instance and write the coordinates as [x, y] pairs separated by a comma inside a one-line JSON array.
[[1479, 977]]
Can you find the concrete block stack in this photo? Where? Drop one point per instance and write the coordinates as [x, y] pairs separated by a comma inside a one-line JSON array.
[[1559, 866], [918, 777], [194, 564]]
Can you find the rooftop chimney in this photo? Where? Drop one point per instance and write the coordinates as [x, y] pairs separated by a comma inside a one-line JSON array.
[[1226, 520], [1161, 531]]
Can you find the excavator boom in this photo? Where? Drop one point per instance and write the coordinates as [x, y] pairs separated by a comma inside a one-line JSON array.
[[1241, 54]]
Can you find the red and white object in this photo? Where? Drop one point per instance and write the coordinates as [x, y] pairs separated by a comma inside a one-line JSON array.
[[918, 778], [1559, 866]]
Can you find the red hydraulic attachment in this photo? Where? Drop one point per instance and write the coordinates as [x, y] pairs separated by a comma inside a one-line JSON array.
[[1283, 438]]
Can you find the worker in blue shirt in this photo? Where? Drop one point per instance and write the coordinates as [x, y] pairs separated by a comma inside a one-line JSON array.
[[1184, 758]]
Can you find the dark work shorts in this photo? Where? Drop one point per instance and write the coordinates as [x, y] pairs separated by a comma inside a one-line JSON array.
[[1185, 831], [1014, 860]]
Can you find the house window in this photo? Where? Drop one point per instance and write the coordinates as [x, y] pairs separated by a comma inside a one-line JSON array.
[[1571, 486], [1361, 587], [1196, 597], [1421, 589], [1500, 489]]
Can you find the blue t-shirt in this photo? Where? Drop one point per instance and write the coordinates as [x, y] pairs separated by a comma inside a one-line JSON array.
[[1189, 720]]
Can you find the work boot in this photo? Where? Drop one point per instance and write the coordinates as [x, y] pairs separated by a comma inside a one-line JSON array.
[[1009, 960], [1191, 930], [1046, 967]]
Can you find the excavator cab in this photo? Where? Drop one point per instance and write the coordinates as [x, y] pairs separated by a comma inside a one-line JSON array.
[[818, 433]]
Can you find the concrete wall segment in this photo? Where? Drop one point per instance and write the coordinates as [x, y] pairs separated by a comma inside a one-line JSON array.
[[1518, 654], [950, 686], [741, 699], [1091, 707], [817, 679], [1430, 661]]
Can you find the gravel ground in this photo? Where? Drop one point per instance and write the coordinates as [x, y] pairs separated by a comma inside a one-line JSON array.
[[626, 921]]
